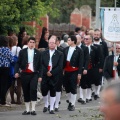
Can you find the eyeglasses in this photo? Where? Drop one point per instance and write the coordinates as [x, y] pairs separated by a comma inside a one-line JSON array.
[[86, 39], [117, 48]]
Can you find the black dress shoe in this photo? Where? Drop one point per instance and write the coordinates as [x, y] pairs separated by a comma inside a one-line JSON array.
[[80, 100], [56, 110], [67, 101], [33, 113], [90, 99], [72, 108], [51, 112], [96, 97], [83, 102], [45, 109], [69, 105], [48, 107], [87, 100], [26, 113]]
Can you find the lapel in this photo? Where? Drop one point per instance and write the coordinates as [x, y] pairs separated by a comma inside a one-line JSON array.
[[118, 60], [35, 55], [74, 52], [26, 54], [54, 57], [91, 49]]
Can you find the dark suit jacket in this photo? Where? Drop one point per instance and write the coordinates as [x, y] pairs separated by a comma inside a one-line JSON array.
[[108, 67], [105, 49], [86, 57], [100, 57], [60, 49], [92, 56], [76, 59], [57, 66], [23, 61]]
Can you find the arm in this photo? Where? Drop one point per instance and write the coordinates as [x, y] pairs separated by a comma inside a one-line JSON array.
[[105, 49], [86, 58], [81, 56], [40, 65], [59, 67], [105, 70]]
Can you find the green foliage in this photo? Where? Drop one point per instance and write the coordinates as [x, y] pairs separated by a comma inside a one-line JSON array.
[[118, 3], [65, 8], [14, 12]]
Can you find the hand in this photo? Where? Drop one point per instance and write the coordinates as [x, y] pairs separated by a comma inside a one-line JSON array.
[[100, 70], [16, 75], [78, 79], [49, 74], [84, 72], [115, 63], [39, 79]]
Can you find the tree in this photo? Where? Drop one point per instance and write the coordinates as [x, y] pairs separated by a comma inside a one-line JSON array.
[[67, 6], [14, 12], [118, 3]]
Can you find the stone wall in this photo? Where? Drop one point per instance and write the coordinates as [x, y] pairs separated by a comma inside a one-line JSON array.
[[81, 17]]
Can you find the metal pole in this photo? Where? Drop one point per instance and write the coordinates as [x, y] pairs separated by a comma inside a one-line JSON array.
[[115, 46], [98, 13], [115, 4]]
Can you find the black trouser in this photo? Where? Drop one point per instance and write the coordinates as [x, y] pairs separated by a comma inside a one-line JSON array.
[[59, 84], [70, 80], [97, 77], [47, 84], [4, 81], [29, 85], [87, 79]]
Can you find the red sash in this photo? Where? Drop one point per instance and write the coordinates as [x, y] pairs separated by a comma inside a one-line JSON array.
[[27, 70], [114, 73], [49, 67], [89, 66], [69, 68]]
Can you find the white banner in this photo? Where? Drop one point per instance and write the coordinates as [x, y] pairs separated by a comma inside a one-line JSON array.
[[112, 25]]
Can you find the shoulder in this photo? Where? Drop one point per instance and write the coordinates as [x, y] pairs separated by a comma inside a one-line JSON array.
[[79, 49], [58, 52], [109, 57], [66, 48]]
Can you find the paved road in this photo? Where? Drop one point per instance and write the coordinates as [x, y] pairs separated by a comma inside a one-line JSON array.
[[83, 112]]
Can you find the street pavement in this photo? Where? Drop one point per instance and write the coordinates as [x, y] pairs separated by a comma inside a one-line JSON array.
[[90, 111]]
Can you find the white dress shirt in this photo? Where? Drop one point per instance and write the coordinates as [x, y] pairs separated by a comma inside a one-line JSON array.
[[51, 52], [70, 53], [30, 59]]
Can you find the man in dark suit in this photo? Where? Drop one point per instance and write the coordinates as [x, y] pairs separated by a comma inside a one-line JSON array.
[[112, 65], [82, 88], [29, 61], [52, 64], [103, 52], [73, 63], [93, 63], [60, 80]]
